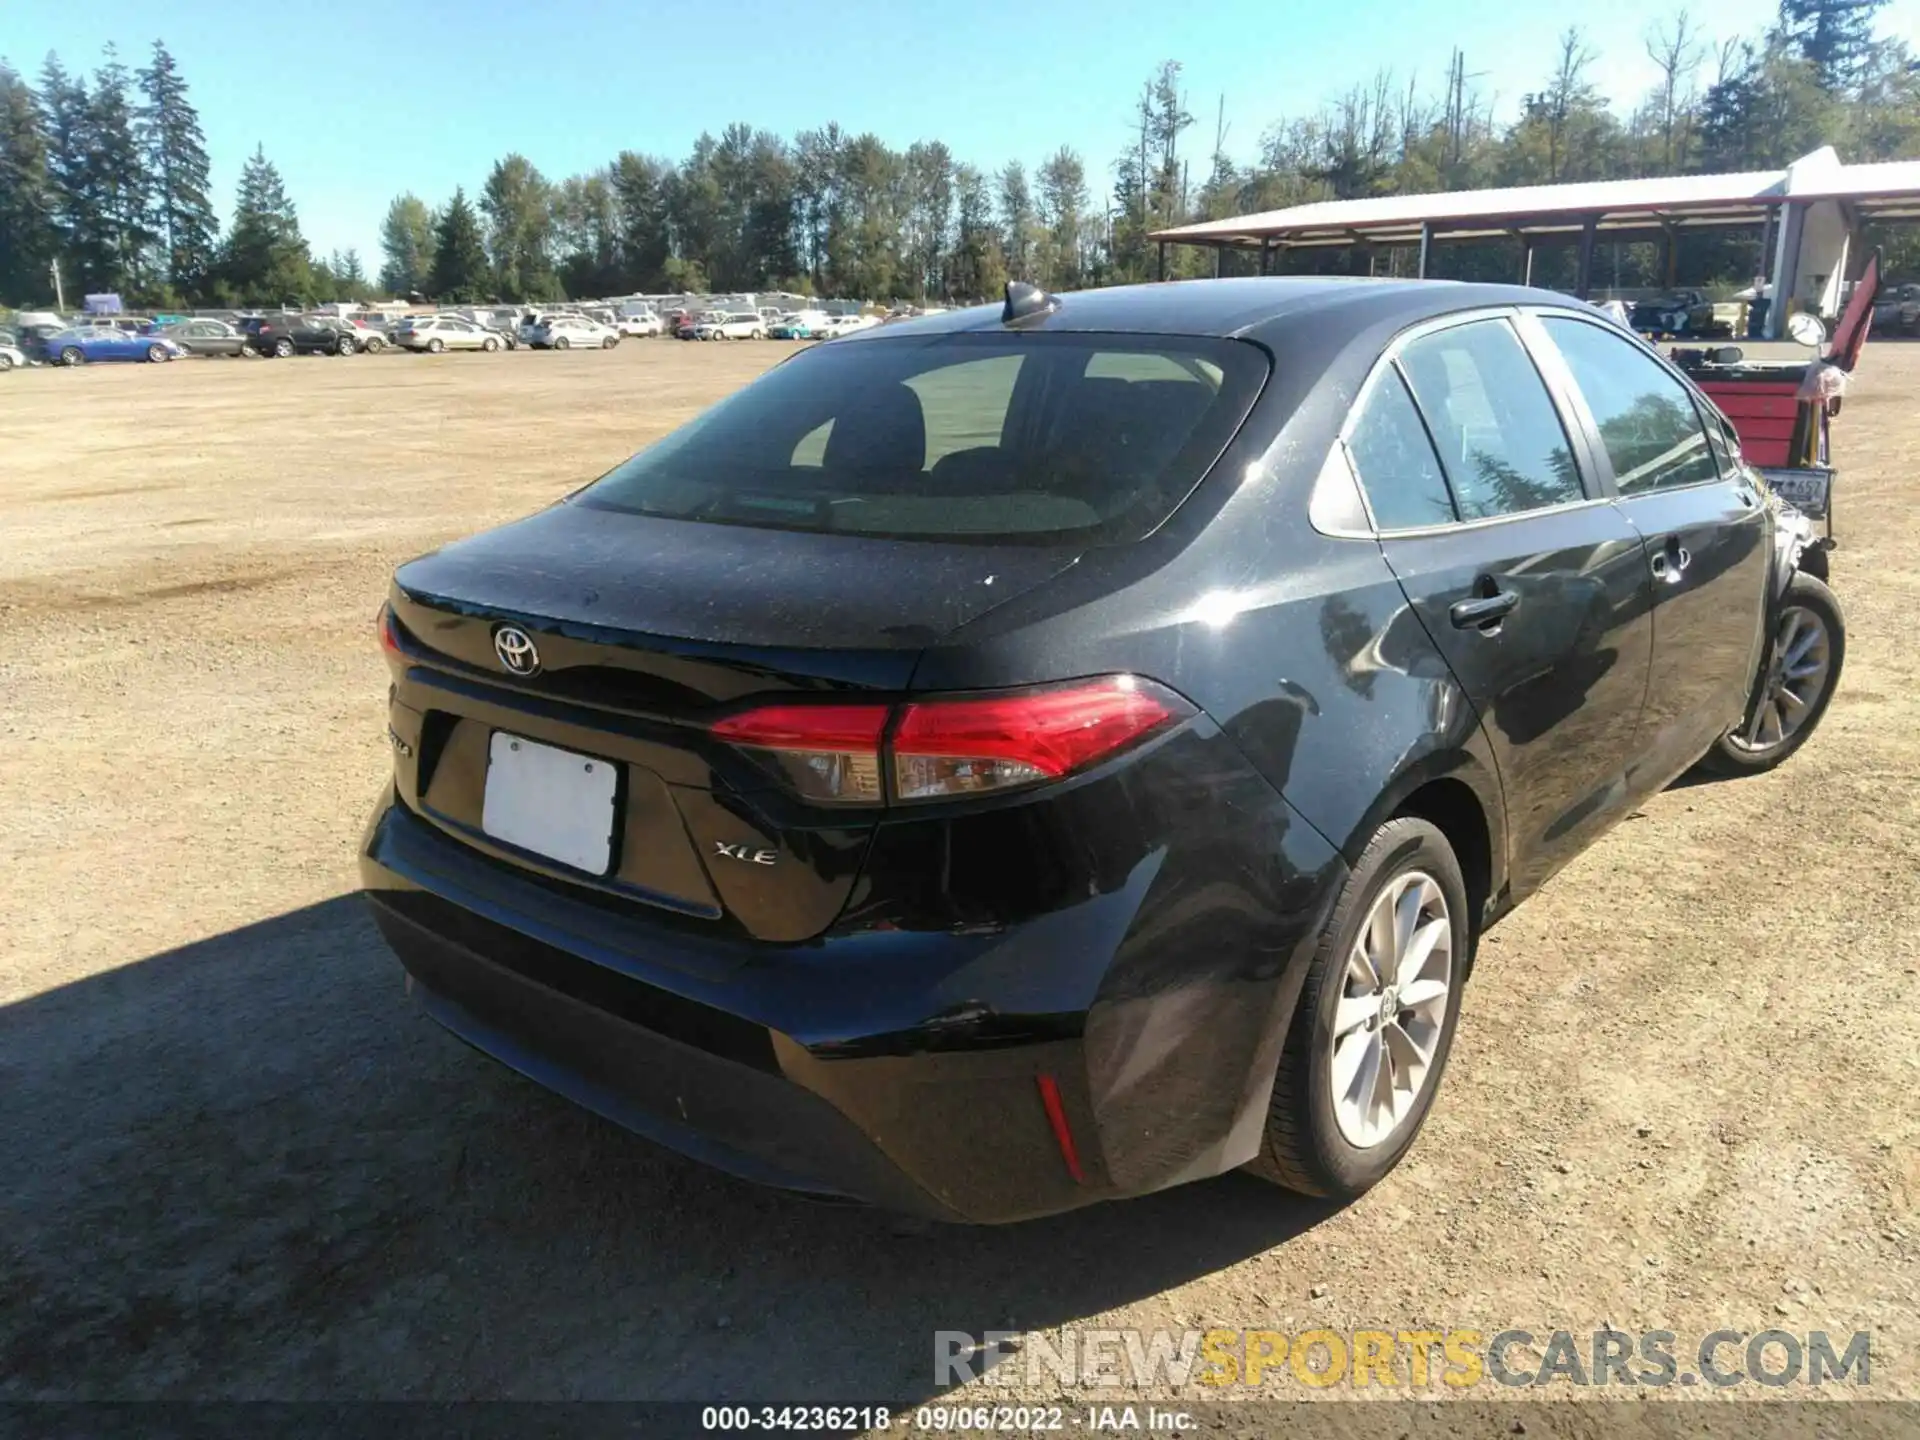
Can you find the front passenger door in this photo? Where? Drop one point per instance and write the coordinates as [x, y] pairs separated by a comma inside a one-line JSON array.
[[1706, 537], [1534, 590]]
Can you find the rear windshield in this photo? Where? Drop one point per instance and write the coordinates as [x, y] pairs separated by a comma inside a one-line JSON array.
[[977, 436]]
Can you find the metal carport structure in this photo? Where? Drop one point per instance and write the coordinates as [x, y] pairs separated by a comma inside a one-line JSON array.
[[1810, 216]]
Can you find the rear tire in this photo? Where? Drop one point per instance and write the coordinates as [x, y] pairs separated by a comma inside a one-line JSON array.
[[561, 342], [608, 343], [73, 355], [1306, 1147], [158, 354], [6, 363], [489, 344], [283, 348], [436, 345], [1801, 672], [375, 345]]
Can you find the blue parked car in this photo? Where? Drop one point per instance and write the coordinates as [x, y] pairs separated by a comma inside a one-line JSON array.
[[78, 347], [792, 327]]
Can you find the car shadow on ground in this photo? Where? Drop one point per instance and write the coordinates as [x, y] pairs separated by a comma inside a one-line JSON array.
[[249, 1168]]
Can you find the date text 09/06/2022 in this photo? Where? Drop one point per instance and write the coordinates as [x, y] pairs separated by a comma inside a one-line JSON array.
[[936, 1419]]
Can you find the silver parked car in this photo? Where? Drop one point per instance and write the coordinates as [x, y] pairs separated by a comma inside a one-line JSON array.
[[434, 333], [573, 332]]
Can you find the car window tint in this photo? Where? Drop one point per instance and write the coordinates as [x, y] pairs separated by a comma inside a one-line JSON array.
[[965, 406], [1648, 424], [1500, 439], [1395, 459], [991, 437]]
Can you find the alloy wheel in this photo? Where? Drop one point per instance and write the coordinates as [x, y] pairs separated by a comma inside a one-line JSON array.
[[1801, 669], [1392, 1010]]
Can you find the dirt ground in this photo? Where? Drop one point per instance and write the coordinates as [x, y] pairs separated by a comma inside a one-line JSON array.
[[235, 1163]]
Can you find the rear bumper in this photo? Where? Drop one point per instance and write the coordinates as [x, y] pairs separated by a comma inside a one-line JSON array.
[[732, 1115], [894, 1066]]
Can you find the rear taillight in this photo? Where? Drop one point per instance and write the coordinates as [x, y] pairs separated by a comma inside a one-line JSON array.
[[826, 752], [957, 747], [389, 631], [943, 748]]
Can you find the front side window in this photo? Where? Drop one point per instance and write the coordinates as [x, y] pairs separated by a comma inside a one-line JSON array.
[[1499, 437], [994, 436], [1648, 425], [1395, 459]]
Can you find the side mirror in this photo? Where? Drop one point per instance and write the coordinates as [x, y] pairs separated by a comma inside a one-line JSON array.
[[1807, 328]]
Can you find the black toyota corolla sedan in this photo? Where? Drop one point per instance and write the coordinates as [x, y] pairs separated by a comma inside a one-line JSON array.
[[1049, 752]]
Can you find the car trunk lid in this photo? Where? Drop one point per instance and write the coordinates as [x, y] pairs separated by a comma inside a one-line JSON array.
[[646, 630]]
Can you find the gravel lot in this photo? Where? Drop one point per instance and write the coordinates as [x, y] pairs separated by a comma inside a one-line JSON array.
[[235, 1163]]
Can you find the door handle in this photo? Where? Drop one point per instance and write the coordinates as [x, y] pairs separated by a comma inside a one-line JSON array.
[[1486, 610], [1670, 562]]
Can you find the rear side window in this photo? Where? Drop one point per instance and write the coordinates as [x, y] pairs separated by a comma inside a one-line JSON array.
[[1499, 437], [990, 437], [1395, 459], [1647, 420]]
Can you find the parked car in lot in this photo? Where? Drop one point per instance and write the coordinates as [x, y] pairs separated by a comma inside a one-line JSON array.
[[106, 342], [10, 356], [687, 327], [206, 337], [742, 326], [1225, 658], [639, 325], [534, 319], [284, 335], [799, 325], [367, 339], [1898, 308], [435, 333], [845, 325], [32, 338], [573, 332]]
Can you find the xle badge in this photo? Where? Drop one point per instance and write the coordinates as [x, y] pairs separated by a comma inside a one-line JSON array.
[[741, 852]]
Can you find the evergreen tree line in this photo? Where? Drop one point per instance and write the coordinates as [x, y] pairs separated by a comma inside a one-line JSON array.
[[108, 174]]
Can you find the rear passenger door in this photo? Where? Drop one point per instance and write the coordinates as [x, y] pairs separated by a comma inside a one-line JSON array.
[[1706, 538], [1533, 587]]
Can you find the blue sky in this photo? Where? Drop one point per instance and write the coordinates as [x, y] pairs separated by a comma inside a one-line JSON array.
[[569, 83]]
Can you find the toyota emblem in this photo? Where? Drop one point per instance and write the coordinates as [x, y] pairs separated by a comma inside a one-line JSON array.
[[515, 649]]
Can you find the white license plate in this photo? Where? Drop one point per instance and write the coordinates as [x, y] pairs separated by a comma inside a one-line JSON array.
[[550, 801]]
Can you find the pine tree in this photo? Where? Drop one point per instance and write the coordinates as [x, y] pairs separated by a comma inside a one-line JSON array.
[[348, 272], [518, 204], [28, 236], [113, 237], [175, 151], [406, 238], [67, 123], [1835, 37], [460, 272], [265, 260]]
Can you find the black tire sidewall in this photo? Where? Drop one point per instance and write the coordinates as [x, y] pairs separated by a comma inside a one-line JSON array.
[[1804, 592], [1399, 846]]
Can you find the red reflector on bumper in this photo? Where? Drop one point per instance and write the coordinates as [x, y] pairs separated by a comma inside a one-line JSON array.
[[1062, 1133]]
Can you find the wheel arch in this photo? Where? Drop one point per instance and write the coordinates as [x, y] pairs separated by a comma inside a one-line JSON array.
[[1459, 794]]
